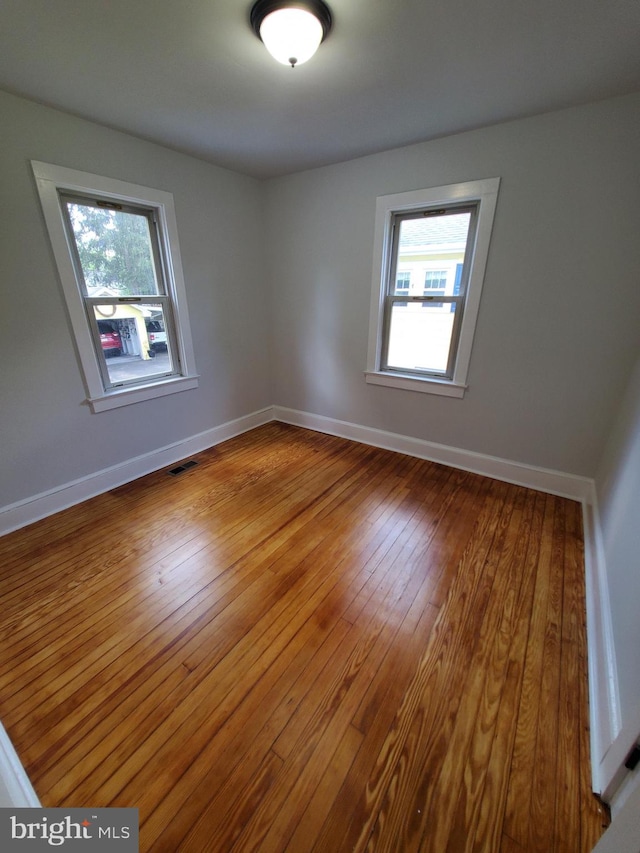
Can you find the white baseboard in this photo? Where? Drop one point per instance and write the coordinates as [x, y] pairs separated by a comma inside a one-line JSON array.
[[47, 503], [16, 790], [543, 479], [40, 506], [604, 702]]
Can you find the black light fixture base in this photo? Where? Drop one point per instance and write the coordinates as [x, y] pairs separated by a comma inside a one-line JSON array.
[[262, 8]]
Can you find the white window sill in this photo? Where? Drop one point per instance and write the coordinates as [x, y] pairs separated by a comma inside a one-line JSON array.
[[125, 396], [443, 387]]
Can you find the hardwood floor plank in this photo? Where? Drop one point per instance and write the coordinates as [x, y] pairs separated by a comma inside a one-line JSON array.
[[342, 689], [372, 634], [497, 688], [425, 699], [567, 794], [138, 675], [205, 786], [517, 812], [439, 765], [307, 644], [508, 845], [490, 814], [429, 563], [544, 796], [222, 823], [341, 819], [323, 799], [207, 707], [567, 830]]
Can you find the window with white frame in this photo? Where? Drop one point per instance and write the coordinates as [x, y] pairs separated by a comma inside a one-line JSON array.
[[421, 335], [116, 248]]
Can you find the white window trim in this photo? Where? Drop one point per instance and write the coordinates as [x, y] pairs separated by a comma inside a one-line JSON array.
[[486, 193], [49, 180]]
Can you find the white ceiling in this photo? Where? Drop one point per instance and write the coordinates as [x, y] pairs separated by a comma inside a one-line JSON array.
[[191, 74]]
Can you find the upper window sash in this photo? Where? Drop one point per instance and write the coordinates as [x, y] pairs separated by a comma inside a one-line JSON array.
[[159, 267]]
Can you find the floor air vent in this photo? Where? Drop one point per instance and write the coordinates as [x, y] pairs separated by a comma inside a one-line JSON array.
[[184, 467]]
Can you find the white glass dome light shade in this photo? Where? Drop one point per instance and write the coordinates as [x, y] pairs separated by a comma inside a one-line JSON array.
[[291, 36]]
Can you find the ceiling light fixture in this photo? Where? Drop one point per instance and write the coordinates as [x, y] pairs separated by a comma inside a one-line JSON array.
[[291, 30]]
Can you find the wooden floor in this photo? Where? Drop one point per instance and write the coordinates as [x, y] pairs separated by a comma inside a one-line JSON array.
[[307, 644]]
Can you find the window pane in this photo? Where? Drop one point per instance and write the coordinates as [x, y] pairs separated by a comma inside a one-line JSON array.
[[133, 341], [434, 280], [403, 280], [420, 337], [403, 283], [115, 251]]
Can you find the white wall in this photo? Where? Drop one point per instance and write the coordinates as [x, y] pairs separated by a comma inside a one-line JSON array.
[[558, 322], [48, 436]]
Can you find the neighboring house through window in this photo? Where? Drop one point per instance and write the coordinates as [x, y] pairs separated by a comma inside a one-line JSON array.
[[435, 284], [116, 247], [403, 284], [429, 261]]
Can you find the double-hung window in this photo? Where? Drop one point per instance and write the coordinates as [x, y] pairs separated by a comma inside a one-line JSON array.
[[118, 258], [438, 240]]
